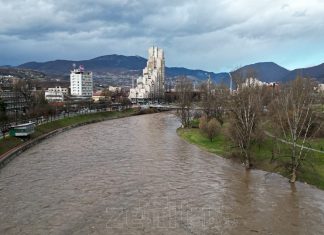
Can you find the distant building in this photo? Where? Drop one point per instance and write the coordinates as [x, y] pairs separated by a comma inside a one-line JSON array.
[[114, 89], [15, 102], [321, 87], [151, 84], [81, 83], [98, 95], [251, 82], [56, 94], [64, 90]]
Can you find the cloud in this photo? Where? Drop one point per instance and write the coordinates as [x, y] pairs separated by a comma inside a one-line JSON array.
[[207, 34]]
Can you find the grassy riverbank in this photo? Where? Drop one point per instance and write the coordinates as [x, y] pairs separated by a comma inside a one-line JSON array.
[[11, 142], [264, 155]]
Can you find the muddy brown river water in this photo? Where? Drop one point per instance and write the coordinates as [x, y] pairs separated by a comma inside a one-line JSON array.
[[136, 176]]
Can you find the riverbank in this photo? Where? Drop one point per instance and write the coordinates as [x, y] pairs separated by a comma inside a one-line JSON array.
[[264, 155], [11, 146]]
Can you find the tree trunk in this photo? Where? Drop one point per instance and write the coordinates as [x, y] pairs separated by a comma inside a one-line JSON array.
[[247, 162], [293, 176]]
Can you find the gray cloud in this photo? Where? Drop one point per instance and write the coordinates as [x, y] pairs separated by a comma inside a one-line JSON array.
[[214, 35]]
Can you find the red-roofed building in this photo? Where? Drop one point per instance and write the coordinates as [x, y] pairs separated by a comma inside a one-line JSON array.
[[97, 96]]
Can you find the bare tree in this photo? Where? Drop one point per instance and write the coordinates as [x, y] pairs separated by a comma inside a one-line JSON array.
[[245, 109], [207, 97], [107, 94], [25, 87], [38, 105], [221, 96], [3, 116], [294, 116], [125, 102], [184, 90], [203, 123], [213, 100]]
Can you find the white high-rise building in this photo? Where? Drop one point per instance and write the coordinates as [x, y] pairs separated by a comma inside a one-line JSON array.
[[81, 82], [151, 84]]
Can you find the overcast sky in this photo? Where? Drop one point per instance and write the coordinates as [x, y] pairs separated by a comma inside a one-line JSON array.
[[215, 35]]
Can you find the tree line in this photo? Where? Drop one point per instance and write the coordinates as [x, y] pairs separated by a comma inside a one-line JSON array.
[[28, 102], [289, 108]]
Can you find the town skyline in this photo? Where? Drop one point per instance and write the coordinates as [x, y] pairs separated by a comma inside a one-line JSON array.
[[214, 36]]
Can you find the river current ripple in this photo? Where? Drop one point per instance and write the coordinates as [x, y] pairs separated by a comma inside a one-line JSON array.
[[136, 176]]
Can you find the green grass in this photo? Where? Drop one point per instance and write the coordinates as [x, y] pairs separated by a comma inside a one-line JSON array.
[[195, 123], [93, 117], [9, 143], [319, 108], [12, 142], [264, 155], [195, 136], [317, 144]]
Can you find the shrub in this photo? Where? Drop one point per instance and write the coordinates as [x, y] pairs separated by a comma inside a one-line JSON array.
[[212, 128], [203, 124]]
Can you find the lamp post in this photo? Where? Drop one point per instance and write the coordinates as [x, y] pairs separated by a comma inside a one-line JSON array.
[[231, 82], [153, 89]]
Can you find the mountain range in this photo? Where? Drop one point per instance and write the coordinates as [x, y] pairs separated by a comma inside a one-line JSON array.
[[133, 65]]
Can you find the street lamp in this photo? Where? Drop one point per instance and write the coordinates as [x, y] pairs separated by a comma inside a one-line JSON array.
[[153, 89], [231, 82]]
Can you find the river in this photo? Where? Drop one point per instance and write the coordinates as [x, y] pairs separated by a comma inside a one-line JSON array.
[[136, 176]]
